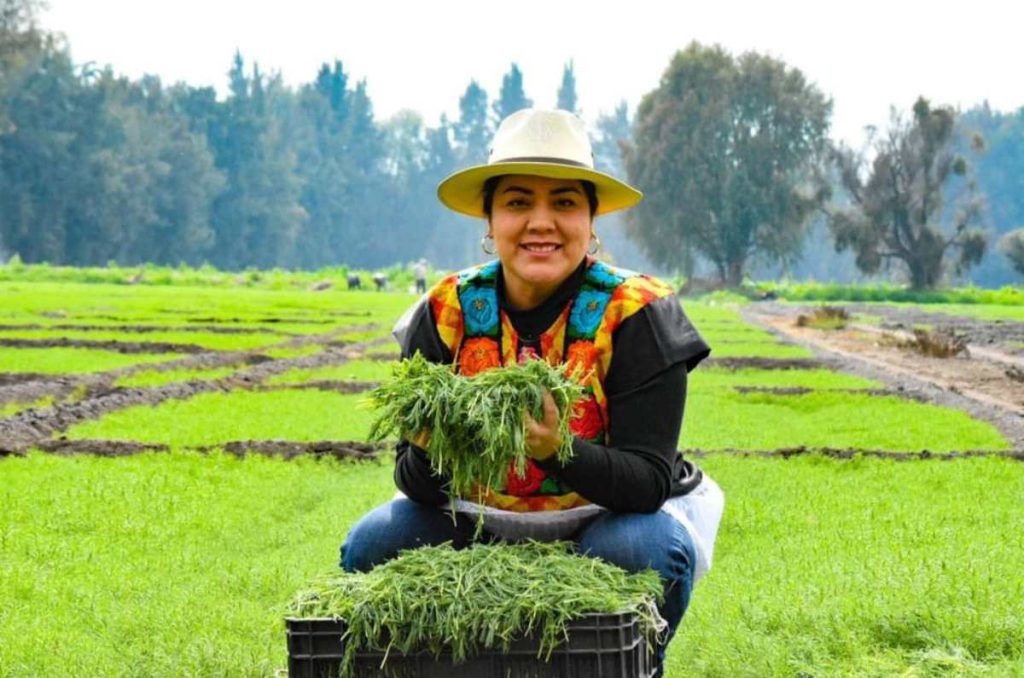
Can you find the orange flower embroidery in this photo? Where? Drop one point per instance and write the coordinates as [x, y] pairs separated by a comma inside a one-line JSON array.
[[582, 356], [478, 354]]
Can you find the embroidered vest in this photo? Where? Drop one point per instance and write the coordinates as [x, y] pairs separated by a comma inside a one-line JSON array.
[[480, 336]]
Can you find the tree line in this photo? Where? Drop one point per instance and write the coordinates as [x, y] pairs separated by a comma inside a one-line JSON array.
[[95, 167], [732, 152]]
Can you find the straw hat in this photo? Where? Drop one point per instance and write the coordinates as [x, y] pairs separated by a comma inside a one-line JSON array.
[[550, 144]]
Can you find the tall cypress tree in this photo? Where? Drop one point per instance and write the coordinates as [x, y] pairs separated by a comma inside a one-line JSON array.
[[472, 131], [567, 90], [513, 96]]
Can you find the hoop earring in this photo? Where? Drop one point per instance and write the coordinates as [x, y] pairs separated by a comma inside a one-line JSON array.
[[483, 245], [595, 245]]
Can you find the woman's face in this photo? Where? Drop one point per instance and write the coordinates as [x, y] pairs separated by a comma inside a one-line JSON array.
[[541, 228]]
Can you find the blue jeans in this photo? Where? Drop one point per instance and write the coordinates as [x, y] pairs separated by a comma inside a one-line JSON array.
[[633, 541]]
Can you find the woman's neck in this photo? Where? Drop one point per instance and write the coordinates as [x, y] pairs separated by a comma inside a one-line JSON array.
[[527, 297]]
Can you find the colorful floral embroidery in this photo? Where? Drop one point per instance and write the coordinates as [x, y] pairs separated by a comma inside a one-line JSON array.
[[480, 310], [478, 354], [527, 485], [587, 311], [582, 356], [600, 275], [465, 309], [587, 422]]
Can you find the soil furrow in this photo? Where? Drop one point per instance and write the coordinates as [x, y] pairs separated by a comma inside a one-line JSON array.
[[851, 453], [339, 449], [31, 426], [804, 390], [741, 363], [147, 329], [106, 345]]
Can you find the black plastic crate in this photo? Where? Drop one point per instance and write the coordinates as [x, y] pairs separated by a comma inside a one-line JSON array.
[[599, 646]]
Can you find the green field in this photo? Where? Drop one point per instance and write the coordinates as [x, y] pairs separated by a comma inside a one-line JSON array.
[[182, 563]]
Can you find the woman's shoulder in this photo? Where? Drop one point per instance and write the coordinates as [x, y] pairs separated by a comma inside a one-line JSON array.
[[625, 282]]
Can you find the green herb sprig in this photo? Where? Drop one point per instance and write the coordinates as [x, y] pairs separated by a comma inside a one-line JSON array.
[[439, 599], [476, 423]]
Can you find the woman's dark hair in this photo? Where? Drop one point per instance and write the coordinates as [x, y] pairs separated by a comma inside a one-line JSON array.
[[491, 185]]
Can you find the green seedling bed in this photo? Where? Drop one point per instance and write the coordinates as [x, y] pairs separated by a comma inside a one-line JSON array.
[[597, 646]]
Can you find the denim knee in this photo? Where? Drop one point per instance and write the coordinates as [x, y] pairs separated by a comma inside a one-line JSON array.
[[636, 541], [398, 525]]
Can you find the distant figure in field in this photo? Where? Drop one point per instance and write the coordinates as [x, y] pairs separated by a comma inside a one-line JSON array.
[[419, 272], [380, 280], [353, 282]]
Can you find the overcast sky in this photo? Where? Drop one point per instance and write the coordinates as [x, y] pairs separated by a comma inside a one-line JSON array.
[[866, 55]]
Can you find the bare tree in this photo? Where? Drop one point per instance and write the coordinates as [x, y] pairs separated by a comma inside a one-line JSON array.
[[896, 206]]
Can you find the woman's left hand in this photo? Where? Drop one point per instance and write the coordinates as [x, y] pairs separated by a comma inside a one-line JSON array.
[[542, 437]]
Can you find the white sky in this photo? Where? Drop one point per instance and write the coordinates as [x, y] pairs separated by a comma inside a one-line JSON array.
[[421, 54]]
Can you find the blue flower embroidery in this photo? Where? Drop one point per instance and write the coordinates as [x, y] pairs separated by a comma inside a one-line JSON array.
[[480, 310], [587, 311], [601, 275]]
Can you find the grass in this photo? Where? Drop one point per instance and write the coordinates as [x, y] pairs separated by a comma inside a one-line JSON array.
[[712, 378], [813, 291], [165, 565], [714, 333], [356, 370], [73, 360], [212, 418], [758, 349], [182, 564], [718, 418], [80, 302], [151, 378], [861, 568], [209, 340], [365, 335]]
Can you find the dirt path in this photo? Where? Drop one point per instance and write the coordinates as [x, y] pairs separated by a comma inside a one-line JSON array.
[[985, 384]]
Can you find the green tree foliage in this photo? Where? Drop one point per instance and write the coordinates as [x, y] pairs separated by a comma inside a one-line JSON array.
[[1012, 245], [727, 151], [896, 206], [472, 130], [19, 43], [512, 96], [613, 131], [567, 90], [257, 217], [999, 171]]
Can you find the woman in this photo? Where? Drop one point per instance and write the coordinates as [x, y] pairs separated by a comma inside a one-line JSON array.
[[626, 496]]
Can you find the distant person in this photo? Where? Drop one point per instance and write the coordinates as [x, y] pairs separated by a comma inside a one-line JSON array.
[[419, 272], [354, 283], [380, 280]]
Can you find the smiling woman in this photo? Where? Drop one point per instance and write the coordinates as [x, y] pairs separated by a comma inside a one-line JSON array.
[[626, 495]]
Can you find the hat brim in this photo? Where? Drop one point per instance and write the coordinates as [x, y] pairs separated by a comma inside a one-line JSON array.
[[463, 190]]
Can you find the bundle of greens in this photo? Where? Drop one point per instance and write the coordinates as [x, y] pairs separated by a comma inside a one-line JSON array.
[[438, 599], [475, 424]]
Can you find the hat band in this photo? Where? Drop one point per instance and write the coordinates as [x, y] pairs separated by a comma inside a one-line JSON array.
[[541, 158]]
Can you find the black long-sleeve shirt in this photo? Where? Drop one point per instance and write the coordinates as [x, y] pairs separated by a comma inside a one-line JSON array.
[[640, 467]]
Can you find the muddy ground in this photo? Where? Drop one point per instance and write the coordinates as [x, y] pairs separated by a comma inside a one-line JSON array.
[[986, 382]]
